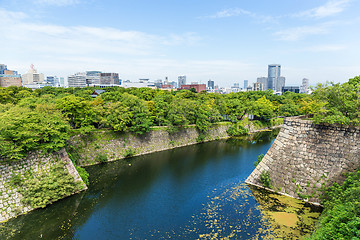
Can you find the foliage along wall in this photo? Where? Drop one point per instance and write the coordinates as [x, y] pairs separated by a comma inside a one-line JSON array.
[[36, 181]]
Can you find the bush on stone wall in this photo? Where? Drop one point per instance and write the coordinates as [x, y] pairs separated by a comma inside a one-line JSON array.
[[265, 179], [48, 187]]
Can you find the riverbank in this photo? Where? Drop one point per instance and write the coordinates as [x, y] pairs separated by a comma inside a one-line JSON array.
[[107, 146], [90, 149]]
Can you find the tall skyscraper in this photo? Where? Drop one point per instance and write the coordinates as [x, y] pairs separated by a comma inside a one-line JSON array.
[[246, 84], [181, 81], [211, 84], [273, 75], [274, 81]]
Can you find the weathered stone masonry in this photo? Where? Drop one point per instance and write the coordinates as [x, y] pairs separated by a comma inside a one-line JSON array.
[[307, 157], [10, 199]]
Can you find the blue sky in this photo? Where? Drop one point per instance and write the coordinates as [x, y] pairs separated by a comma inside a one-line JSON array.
[[224, 40]]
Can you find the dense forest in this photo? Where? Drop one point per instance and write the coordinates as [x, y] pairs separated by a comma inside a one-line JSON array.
[[45, 118]]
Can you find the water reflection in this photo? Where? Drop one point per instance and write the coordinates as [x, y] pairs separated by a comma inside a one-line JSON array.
[[195, 192]]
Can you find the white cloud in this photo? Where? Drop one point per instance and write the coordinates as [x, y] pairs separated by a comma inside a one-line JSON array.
[[230, 13], [298, 33], [331, 8], [326, 48], [57, 2], [235, 12], [74, 47]]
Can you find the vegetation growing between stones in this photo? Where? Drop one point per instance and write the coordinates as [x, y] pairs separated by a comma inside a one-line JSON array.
[[129, 152], [41, 190], [265, 179], [259, 158]]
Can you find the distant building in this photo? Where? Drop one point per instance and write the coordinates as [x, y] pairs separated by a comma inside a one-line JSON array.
[[109, 78], [181, 81], [62, 82], [258, 86], [211, 84], [32, 76], [275, 81], [246, 84], [235, 88], [198, 87], [77, 80], [158, 83], [264, 81], [52, 81], [304, 88], [92, 77], [3, 67], [290, 89], [174, 84], [9, 77]]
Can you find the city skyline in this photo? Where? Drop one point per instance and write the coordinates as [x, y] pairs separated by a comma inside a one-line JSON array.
[[225, 42]]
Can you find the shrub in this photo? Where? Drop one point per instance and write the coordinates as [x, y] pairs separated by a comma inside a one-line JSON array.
[[200, 138], [265, 179], [129, 152], [236, 130], [41, 190], [102, 157], [260, 157], [83, 174]]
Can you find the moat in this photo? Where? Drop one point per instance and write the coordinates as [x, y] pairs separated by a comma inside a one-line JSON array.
[[194, 192]]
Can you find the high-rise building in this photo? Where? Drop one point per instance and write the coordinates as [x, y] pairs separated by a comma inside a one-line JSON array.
[[246, 84], [258, 86], [273, 75], [109, 78], [211, 84], [158, 83], [52, 81], [263, 81], [92, 77], [77, 80], [181, 81], [304, 88], [3, 67], [9, 77], [32, 76], [62, 82], [274, 81]]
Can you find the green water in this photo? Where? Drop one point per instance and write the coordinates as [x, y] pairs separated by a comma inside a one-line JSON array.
[[194, 192]]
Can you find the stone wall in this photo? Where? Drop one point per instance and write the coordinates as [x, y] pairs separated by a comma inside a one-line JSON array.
[[87, 149], [10, 198], [306, 157]]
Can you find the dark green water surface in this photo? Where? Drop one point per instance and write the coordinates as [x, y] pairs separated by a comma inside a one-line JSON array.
[[194, 192]]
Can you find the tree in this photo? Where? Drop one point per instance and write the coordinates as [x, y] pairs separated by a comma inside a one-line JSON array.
[[23, 130], [78, 111]]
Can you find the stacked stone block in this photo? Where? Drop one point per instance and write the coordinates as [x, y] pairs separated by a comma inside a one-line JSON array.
[[305, 158], [10, 199]]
